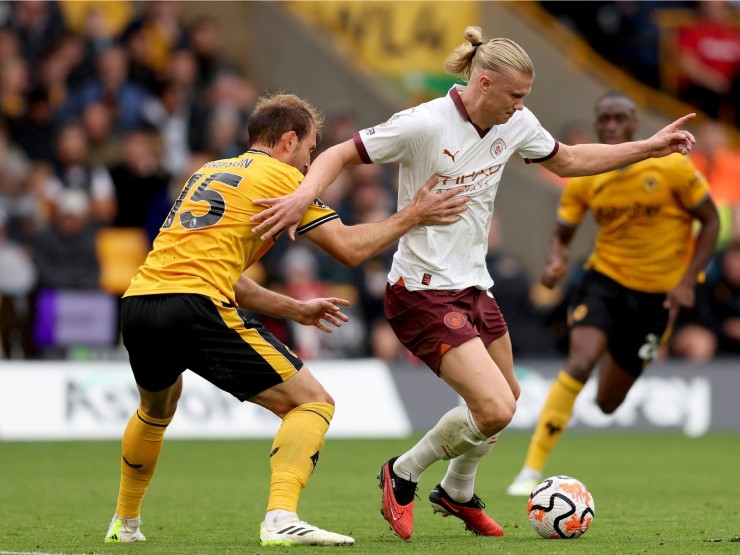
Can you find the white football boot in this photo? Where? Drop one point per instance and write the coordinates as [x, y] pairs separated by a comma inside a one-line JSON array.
[[299, 532], [124, 530]]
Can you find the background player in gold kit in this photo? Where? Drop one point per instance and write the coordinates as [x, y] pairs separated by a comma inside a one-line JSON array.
[[180, 312], [642, 271]]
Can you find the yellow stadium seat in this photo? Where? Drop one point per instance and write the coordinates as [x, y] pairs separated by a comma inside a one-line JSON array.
[[121, 250]]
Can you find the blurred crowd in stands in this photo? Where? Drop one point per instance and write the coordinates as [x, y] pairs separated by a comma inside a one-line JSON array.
[[106, 108], [688, 49]]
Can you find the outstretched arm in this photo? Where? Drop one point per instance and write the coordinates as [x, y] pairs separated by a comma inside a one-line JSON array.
[[252, 296], [352, 245], [592, 159], [287, 211]]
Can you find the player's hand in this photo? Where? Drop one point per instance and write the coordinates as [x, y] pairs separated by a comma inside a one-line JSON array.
[[280, 213], [553, 273], [672, 139], [680, 297], [315, 312], [441, 207]]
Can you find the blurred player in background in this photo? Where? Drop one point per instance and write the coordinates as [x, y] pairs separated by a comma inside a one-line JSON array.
[[642, 271], [438, 297], [180, 312]]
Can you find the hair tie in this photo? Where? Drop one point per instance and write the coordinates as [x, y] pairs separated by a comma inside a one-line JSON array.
[[476, 44]]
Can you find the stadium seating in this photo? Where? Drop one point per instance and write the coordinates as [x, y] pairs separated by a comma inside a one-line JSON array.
[[121, 250]]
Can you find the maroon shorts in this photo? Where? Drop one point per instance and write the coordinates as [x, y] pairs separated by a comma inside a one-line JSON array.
[[429, 323]]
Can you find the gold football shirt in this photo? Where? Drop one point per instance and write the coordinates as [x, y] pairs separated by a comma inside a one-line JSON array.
[[206, 241], [645, 237]]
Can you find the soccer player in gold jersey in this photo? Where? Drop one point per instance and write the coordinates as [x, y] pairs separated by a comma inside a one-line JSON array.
[[642, 271], [180, 312]]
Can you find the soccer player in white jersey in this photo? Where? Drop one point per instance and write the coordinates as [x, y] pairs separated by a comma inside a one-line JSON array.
[[437, 297]]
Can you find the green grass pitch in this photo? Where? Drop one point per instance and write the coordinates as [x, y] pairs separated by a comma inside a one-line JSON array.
[[654, 493]]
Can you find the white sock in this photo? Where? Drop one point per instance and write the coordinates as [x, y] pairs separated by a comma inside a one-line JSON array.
[[279, 517], [459, 480], [454, 434]]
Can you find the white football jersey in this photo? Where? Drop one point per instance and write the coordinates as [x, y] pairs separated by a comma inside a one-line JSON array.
[[438, 138]]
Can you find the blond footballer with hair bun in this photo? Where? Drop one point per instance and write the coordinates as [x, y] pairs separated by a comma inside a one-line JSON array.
[[439, 298], [499, 54]]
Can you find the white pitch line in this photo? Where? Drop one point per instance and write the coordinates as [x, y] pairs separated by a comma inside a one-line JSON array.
[[40, 553]]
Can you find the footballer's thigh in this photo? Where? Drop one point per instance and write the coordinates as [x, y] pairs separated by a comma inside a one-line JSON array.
[[614, 384], [161, 404], [299, 389], [240, 356], [472, 373], [500, 351], [587, 344]]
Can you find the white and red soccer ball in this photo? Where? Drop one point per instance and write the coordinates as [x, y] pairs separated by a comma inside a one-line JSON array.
[[560, 507]]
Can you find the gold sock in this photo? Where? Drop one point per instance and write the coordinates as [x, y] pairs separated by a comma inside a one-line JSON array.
[[553, 420], [142, 443], [295, 453]]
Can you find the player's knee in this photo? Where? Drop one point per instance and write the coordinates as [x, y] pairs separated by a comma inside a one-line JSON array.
[[516, 390], [159, 410], [580, 366], [325, 398], [608, 405], [495, 417]]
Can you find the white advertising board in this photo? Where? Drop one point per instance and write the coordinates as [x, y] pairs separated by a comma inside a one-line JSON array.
[[94, 400], [679, 402]]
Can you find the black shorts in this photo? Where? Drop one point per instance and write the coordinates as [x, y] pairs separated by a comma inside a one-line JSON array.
[[634, 322], [167, 334]]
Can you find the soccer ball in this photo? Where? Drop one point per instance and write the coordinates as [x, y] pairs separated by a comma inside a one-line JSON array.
[[560, 507]]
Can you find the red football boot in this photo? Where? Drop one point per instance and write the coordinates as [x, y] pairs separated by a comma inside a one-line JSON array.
[[398, 500], [470, 512]]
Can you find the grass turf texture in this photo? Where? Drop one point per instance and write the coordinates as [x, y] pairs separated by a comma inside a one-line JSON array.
[[654, 493]]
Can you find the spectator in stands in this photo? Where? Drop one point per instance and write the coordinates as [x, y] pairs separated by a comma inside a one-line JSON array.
[[111, 17], [34, 131], [21, 209], [300, 269], [713, 327], [206, 47], [112, 86], [371, 199], [14, 84], [163, 31], [171, 116], [80, 58], [720, 164], [104, 146], [709, 60], [230, 95], [183, 71], [73, 170], [17, 279], [64, 252], [38, 25], [178, 106], [141, 71], [61, 70], [624, 32], [224, 126], [140, 182]]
